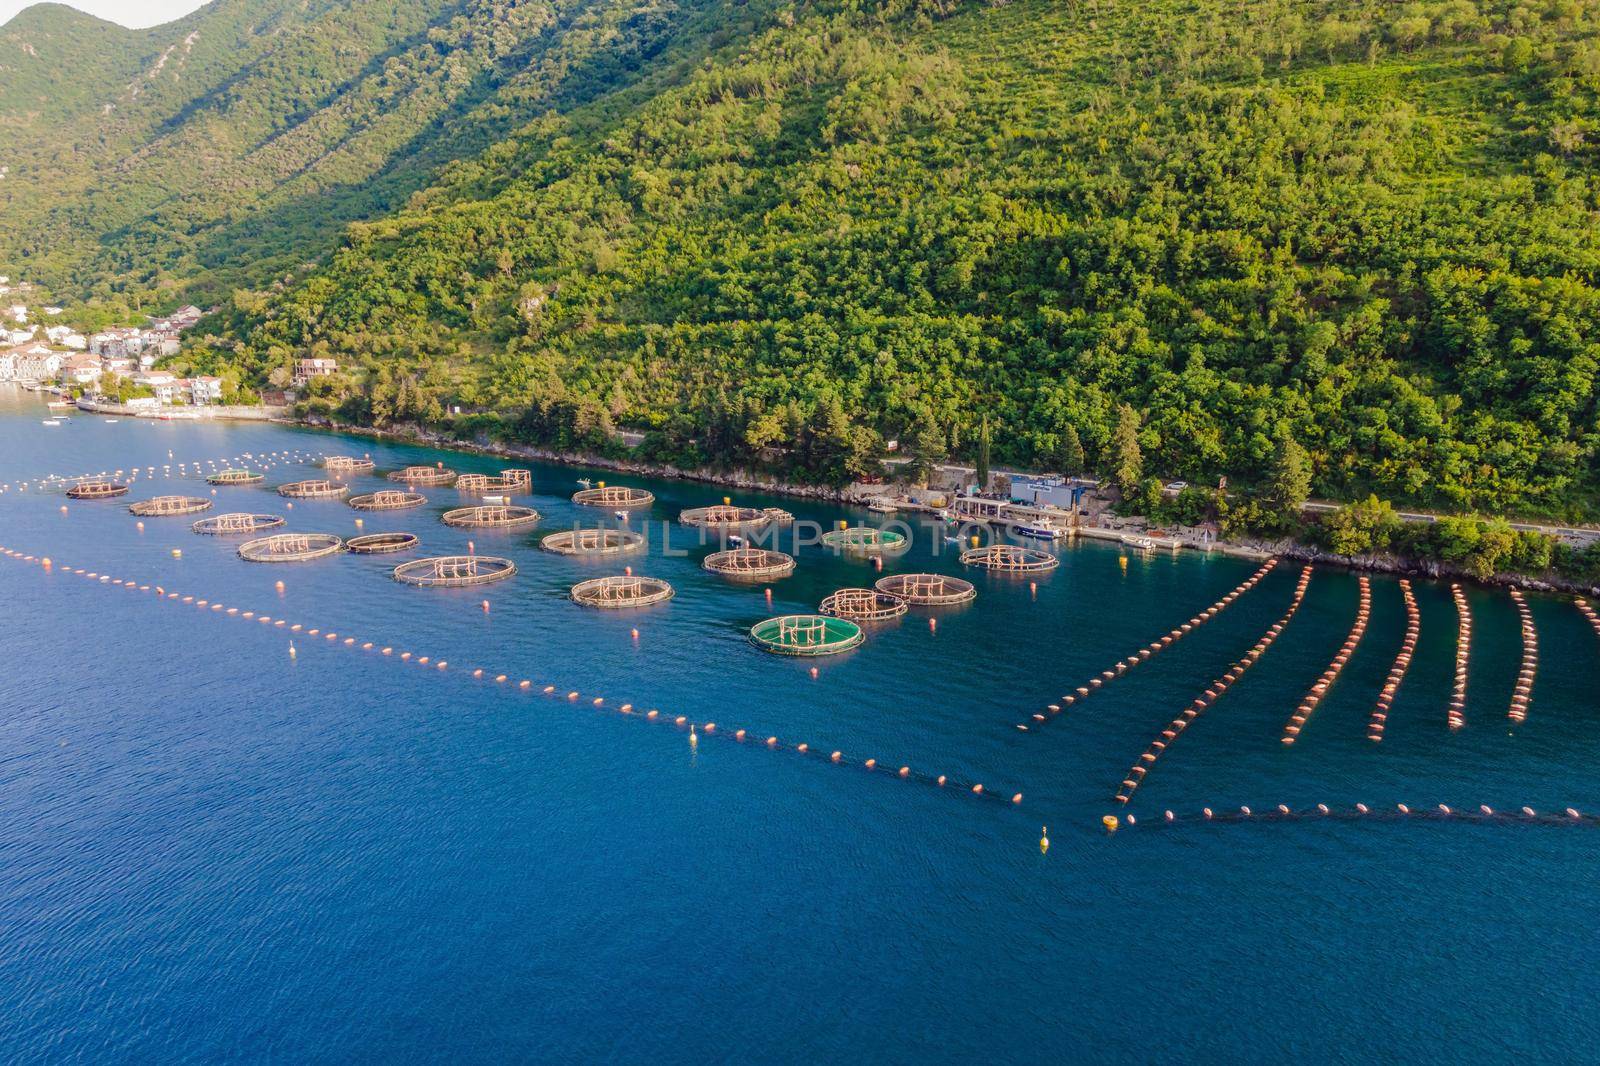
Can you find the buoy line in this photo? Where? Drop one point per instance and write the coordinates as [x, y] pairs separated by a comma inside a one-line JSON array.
[[1458, 695], [1589, 613], [1136, 773], [1308, 702], [188, 468], [1397, 673], [1522, 695], [1145, 653], [695, 729], [1438, 812]]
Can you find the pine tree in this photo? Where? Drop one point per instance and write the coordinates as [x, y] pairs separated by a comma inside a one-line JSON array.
[[1069, 452], [1127, 459], [1291, 478], [983, 453]]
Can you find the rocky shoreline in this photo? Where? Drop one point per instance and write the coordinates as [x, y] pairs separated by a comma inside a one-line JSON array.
[[742, 479]]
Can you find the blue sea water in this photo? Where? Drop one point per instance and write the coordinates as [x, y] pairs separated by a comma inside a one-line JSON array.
[[210, 849]]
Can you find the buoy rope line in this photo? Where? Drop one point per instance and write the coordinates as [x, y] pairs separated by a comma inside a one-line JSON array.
[[1144, 654], [1522, 695], [1589, 613], [694, 729], [190, 468], [1308, 702], [1458, 696], [1363, 813], [1397, 672], [1141, 766]]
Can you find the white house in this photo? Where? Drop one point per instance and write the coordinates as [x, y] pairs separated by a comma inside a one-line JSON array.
[[204, 390], [35, 362]]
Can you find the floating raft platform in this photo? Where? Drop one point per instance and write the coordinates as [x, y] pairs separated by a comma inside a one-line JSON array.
[[455, 571], [347, 464], [290, 548], [864, 540], [237, 522], [235, 477], [806, 634], [423, 476], [313, 489], [622, 497], [724, 517], [1010, 559], [96, 490], [623, 590], [387, 500], [165, 506], [382, 543], [863, 605], [934, 590], [749, 563], [592, 542], [494, 516]]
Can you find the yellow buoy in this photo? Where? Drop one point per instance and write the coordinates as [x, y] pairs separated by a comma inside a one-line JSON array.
[[177, 553], [1110, 822], [1044, 839], [1122, 561], [694, 739], [727, 500]]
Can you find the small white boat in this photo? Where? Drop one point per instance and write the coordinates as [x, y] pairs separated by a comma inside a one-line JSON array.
[[497, 499], [621, 516], [585, 482], [111, 420], [735, 541], [52, 421]]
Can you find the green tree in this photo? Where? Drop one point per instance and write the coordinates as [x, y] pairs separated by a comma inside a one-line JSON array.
[[1363, 526], [1069, 457], [1290, 483], [1126, 457], [983, 454]]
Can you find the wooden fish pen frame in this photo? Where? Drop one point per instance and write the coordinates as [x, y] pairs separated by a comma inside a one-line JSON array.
[[387, 500], [863, 605], [382, 543], [454, 571], [313, 489], [492, 516], [928, 590], [167, 506], [749, 563], [1010, 559], [96, 490], [864, 540], [806, 634], [347, 464], [236, 477], [592, 542], [622, 497], [724, 518], [290, 548], [508, 481], [619, 591], [423, 476], [237, 522]]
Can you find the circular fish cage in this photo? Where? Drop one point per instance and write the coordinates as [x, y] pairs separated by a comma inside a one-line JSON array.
[[621, 591], [387, 500], [806, 634], [235, 477], [724, 517], [347, 464], [162, 506], [423, 476], [864, 540], [927, 589], [622, 497], [237, 522], [290, 548], [454, 571], [507, 481], [1010, 559], [313, 489], [96, 490], [382, 543], [494, 516], [863, 605], [592, 542], [749, 562]]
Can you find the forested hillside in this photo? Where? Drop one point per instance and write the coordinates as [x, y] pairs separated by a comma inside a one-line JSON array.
[[1365, 226]]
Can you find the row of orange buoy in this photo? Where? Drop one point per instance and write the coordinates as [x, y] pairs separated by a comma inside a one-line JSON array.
[[1397, 672], [1153, 648], [259, 461], [1522, 695], [694, 729], [1589, 613], [1362, 812], [1136, 773], [1458, 695], [1308, 703]]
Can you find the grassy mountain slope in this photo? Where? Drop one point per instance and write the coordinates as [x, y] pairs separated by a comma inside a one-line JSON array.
[[1370, 226]]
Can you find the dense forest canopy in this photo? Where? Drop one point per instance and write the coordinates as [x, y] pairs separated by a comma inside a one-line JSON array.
[[1362, 226]]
